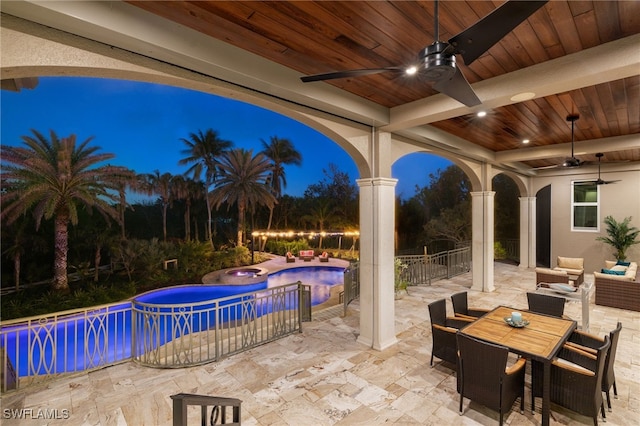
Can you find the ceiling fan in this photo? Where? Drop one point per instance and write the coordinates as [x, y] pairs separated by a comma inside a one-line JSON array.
[[437, 62], [569, 161], [598, 181]]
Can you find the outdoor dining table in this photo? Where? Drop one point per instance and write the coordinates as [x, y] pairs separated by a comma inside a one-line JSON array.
[[540, 340]]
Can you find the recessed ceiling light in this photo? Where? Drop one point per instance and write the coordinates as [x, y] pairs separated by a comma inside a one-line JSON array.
[[481, 113], [525, 96], [411, 70], [525, 140]]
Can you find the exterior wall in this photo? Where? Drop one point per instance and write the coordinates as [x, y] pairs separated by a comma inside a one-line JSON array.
[[619, 200]]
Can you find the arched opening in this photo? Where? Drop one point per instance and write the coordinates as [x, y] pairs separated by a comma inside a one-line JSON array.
[[506, 219], [433, 204]]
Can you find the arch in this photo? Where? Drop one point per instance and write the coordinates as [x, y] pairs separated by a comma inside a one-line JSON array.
[[472, 169], [76, 57], [520, 181]]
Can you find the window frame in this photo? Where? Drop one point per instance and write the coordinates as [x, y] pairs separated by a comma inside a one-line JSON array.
[[575, 204]]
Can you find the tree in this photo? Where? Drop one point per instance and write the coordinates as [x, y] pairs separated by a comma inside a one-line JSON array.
[[203, 151], [160, 185], [242, 181], [127, 180], [338, 187], [187, 190], [621, 236], [52, 179], [280, 152]]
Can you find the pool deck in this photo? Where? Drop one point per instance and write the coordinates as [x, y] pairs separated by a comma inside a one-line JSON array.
[[323, 376], [279, 263]]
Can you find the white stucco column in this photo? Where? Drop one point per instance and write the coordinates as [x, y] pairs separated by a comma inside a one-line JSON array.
[[377, 224], [482, 205], [527, 232]]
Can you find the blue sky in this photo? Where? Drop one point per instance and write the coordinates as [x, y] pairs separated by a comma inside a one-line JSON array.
[[143, 123]]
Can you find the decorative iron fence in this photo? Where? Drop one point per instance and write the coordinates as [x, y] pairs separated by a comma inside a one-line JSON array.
[[183, 335], [512, 248], [421, 269], [40, 348]]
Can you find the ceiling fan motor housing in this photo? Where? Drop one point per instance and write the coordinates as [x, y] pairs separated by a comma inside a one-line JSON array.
[[437, 64]]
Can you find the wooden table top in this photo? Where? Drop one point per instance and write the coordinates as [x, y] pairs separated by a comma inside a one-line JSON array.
[[540, 339]]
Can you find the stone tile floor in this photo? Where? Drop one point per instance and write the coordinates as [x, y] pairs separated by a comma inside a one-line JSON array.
[[324, 377]]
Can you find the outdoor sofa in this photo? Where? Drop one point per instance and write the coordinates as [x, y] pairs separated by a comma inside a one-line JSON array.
[[618, 291], [306, 255]]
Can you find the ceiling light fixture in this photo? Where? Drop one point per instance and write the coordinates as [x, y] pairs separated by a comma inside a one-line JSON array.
[[525, 141], [411, 70], [524, 96], [481, 113]]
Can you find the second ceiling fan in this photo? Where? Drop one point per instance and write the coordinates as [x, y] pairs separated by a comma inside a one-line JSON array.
[[437, 62]]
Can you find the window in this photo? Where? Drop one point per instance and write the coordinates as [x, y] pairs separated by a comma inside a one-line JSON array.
[[585, 206]]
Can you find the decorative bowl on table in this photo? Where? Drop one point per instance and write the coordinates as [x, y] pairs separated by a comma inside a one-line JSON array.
[[519, 324]]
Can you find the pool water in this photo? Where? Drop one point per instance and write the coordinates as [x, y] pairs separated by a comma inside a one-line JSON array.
[[60, 347]]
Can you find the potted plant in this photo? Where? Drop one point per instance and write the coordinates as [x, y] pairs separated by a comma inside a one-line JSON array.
[[400, 283], [621, 236]]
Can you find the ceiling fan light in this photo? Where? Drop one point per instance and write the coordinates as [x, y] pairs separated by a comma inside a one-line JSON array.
[[411, 70], [481, 113], [438, 65]]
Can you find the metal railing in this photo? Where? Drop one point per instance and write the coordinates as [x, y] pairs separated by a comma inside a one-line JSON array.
[[41, 348], [219, 413], [182, 335], [421, 269], [512, 248]]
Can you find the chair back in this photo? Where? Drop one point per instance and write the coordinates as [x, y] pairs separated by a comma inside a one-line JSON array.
[[546, 304], [609, 377], [438, 312], [460, 304], [481, 368]]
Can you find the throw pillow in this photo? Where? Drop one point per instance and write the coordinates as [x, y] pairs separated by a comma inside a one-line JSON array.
[[612, 272], [620, 262]]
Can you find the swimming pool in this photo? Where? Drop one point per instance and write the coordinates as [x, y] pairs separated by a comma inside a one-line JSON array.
[[102, 336]]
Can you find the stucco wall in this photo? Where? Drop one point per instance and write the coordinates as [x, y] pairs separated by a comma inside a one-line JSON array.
[[619, 200]]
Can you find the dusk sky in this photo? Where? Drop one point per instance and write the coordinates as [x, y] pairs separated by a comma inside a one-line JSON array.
[[143, 124]]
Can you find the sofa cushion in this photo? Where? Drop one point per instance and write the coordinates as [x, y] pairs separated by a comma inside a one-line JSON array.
[[600, 275], [618, 268], [571, 263]]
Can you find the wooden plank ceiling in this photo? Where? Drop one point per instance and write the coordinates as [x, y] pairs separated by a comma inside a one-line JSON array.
[[321, 36]]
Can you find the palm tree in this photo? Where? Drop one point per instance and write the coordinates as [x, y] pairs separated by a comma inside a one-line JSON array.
[[128, 180], [242, 182], [188, 190], [203, 151], [279, 151], [160, 185], [53, 179], [322, 212]]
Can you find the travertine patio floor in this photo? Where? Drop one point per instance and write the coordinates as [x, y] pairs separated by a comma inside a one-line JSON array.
[[324, 377]]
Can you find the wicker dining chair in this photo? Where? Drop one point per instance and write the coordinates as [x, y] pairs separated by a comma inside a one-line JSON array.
[[576, 380], [546, 304], [485, 378], [462, 309], [443, 332], [590, 343]]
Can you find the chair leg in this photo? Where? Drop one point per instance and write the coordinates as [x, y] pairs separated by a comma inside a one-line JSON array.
[[461, 397], [608, 401], [431, 363], [604, 416], [615, 390]]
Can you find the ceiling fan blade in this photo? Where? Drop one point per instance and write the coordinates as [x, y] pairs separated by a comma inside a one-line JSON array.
[[607, 182], [555, 166], [345, 74], [478, 38], [458, 88]]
